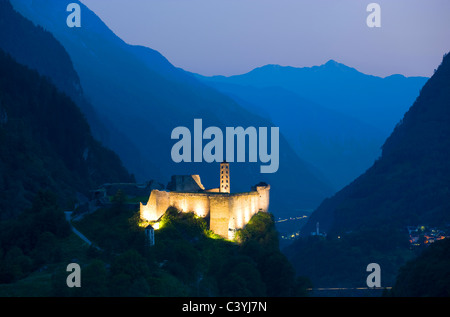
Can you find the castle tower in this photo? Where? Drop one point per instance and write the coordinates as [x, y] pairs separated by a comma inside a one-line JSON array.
[[225, 177]]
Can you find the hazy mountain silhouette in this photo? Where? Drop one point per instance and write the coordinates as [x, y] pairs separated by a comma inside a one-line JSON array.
[[379, 102], [366, 222], [145, 97], [334, 117], [36, 48], [339, 146], [409, 184]]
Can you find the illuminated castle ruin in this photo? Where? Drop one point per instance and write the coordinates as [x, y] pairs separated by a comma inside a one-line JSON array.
[[227, 211]]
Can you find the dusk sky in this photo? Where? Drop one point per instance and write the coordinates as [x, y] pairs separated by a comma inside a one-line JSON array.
[[228, 37]]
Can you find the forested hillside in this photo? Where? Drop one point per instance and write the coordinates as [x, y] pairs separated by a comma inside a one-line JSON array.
[[428, 275], [410, 183], [146, 97], [46, 143], [33, 46], [408, 186]]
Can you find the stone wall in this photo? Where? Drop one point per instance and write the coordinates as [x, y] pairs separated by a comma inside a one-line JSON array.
[[219, 217], [199, 203], [156, 206], [227, 212]]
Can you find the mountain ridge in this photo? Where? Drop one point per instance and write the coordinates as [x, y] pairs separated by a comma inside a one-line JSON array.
[[330, 64], [46, 143], [328, 118], [147, 105], [409, 179], [19, 36], [368, 220]]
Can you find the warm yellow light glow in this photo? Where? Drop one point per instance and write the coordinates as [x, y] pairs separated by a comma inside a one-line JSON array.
[[247, 214], [148, 213], [210, 234], [200, 210], [184, 206], [240, 222], [145, 224]]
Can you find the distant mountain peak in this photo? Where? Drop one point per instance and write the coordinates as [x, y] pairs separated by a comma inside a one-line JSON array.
[[334, 65], [332, 62], [331, 66], [272, 67]]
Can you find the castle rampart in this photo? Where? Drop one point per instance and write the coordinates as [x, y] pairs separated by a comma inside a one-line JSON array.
[[227, 211]]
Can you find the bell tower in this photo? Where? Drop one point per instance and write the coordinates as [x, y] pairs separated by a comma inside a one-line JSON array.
[[224, 177]]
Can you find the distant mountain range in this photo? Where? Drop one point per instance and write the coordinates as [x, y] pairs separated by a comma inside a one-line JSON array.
[[366, 221], [376, 101], [409, 184], [144, 97], [333, 119], [333, 116], [67, 95]]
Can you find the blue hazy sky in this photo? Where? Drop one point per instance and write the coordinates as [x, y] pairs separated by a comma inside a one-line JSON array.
[[227, 37]]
